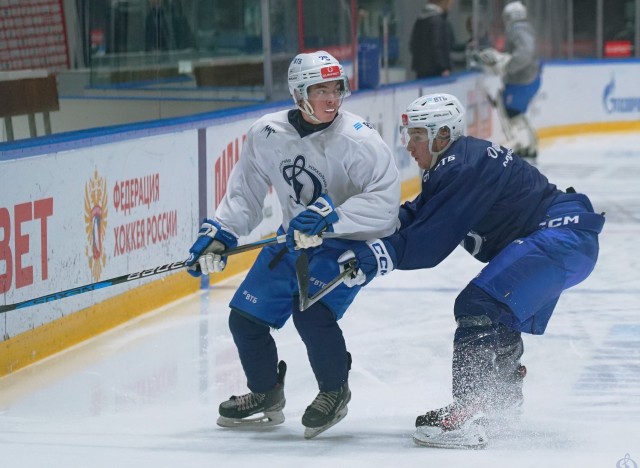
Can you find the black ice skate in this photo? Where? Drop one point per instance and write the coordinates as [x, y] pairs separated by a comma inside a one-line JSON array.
[[328, 409], [454, 426], [237, 410]]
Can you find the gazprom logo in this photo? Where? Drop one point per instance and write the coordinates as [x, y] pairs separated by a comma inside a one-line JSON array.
[[615, 105]]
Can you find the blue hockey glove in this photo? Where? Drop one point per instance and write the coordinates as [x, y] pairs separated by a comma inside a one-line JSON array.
[[204, 254], [373, 258], [317, 218]]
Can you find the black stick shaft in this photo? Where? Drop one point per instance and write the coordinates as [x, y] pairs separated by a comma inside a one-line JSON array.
[[130, 277]]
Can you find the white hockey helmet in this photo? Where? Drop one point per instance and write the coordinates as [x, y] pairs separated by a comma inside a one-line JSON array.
[[433, 112], [312, 68], [514, 11]]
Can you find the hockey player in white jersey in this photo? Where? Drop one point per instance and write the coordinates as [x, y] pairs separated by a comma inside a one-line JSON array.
[[519, 70], [332, 173]]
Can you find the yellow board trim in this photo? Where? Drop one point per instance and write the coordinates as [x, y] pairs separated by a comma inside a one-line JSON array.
[[34, 345], [589, 128]]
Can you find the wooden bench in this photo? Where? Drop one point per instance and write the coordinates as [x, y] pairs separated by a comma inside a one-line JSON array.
[[28, 93]]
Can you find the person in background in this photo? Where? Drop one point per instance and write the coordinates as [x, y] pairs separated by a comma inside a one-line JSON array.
[[432, 40], [157, 28], [332, 173], [463, 53], [182, 32], [520, 70], [537, 242]]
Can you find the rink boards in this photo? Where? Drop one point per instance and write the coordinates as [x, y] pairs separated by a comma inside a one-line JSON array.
[[86, 206]]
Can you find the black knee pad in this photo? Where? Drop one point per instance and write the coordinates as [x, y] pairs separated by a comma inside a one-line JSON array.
[[486, 353], [473, 301], [509, 342], [507, 335], [474, 356], [474, 345], [475, 313]]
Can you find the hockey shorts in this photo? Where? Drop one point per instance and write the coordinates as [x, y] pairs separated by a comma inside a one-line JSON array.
[[518, 96], [529, 274], [269, 293]]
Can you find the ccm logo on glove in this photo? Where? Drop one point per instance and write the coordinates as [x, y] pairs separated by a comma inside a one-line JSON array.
[[385, 264]]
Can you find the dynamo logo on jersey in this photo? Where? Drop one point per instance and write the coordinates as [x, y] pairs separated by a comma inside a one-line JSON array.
[[621, 105], [305, 183]]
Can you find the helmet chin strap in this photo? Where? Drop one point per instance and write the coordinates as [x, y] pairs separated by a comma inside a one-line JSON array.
[[307, 109], [436, 154]]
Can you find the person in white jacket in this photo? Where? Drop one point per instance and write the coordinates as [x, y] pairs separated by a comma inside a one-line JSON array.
[[332, 173]]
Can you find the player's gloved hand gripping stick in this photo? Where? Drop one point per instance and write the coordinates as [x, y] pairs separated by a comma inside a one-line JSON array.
[[206, 255], [307, 228], [357, 268], [303, 276]]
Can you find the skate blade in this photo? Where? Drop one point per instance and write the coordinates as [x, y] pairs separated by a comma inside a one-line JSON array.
[[270, 418], [311, 432], [471, 436]]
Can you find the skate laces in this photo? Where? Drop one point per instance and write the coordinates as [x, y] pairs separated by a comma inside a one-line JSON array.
[[249, 400], [325, 401], [449, 418], [453, 417]]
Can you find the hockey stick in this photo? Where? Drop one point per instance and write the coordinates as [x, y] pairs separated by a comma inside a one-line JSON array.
[[303, 276], [132, 276]]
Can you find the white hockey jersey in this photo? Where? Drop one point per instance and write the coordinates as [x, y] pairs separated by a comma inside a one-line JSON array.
[[348, 161]]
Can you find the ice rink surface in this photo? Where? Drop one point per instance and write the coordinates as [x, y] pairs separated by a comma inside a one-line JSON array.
[[146, 394]]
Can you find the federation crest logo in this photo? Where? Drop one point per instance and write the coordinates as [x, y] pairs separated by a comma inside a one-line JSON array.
[[95, 219]]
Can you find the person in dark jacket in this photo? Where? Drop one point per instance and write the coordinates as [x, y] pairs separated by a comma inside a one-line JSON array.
[[432, 40], [536, 240], [157, 30]]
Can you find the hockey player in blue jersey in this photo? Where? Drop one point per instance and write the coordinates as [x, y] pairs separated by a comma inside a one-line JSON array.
[[333, 173], [537, 240]]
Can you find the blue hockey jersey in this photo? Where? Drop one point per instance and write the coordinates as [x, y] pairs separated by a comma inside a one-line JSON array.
[[480, 195]]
